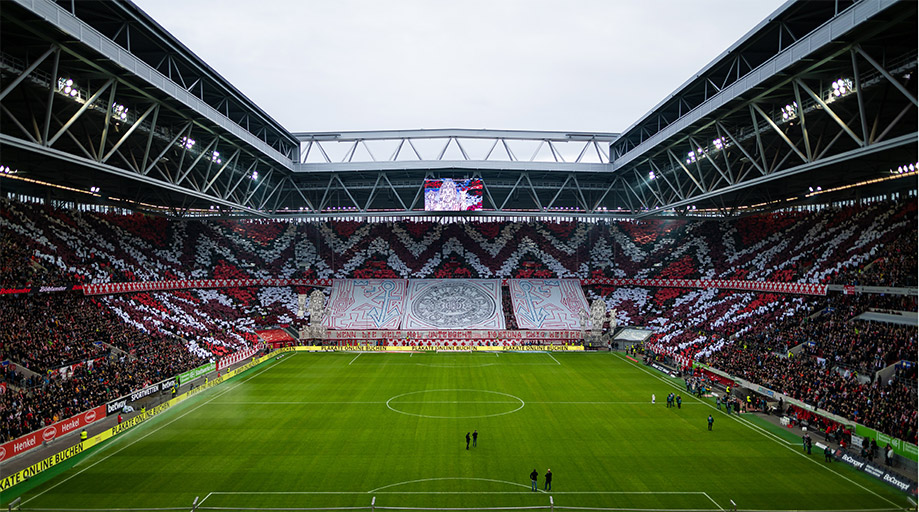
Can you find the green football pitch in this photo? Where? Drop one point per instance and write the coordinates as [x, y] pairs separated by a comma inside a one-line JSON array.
[[324, 430]]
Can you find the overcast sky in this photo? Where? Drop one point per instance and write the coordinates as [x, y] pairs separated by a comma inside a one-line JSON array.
[[594, 66]]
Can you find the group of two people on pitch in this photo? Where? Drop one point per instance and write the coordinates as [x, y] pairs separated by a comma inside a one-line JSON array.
[[534, 476]]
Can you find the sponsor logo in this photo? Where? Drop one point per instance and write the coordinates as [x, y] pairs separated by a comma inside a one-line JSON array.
[[892, 480], [53, 289], [90, 416], [168, 384], [847, 458], [2, 453], [115, 406], [70, 425], [48, 434], [25, 444], [145, 392]]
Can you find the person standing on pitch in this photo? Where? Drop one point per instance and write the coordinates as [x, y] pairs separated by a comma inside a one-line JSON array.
[[467, 440], [548, 479], [710, 421], [475, 437], [533, 477]]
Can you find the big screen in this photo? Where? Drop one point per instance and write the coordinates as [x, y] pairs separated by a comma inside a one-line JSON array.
[[453, 195]]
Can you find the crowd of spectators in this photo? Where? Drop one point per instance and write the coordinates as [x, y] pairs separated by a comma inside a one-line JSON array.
[[749, 333], [828, 359], [78, 355], [868, 244]]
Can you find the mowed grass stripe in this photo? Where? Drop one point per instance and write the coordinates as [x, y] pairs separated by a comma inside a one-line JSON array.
[[320, 426]]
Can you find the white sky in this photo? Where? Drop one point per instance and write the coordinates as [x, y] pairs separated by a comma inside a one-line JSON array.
[[572, 65]]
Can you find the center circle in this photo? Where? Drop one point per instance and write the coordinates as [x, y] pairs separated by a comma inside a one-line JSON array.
[[454, 305], [455, 403]]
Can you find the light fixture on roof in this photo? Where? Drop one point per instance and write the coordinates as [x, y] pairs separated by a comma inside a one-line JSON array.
[[187, 142], [790, 111], [94, 190], [215, 157], [119, 111], [254, 175], [651, 175], [719, 143], [66, 86], [842, 86]]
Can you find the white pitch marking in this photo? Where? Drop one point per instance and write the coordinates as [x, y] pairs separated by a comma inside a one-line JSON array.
[[772, 437], [553, 358], [713, 501], [186, 413], [355, 358]]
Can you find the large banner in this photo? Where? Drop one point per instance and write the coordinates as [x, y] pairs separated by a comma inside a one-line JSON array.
[[235, 357], [479, 335], [50, 433], [366, 304], [454, 304], [547, 303]]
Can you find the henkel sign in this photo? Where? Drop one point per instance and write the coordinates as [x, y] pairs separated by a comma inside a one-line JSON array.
[[50, 433]]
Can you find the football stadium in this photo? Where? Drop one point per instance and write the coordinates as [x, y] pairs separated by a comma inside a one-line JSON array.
[[713, 308]]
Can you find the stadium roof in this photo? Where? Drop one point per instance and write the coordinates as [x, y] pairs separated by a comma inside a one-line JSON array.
[[816, 103]]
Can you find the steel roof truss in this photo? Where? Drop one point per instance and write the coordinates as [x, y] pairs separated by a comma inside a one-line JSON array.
[[306, 200], [828, 110], [231, 160], [83, 108], [533, 193], [780, 133], [714, 164], [896, 83], [185, 131], [28, 71], [802, 114], [156, 113], [394, 191], [372, 192], [197, 159], [893, 123], [130, 130], [725, 131], [859, 95], [419, 192], [511, 191], [19, 125], [246, 174], [47, 124], [108, 119], [254, 187], [557, 193], [658, 173]]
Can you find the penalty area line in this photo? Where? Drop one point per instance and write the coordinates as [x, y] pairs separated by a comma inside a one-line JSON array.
[[355, 358], [713, 501], [553, 358]]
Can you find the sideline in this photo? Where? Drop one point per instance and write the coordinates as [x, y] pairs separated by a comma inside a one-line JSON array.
[[768, 435], [141, 419]]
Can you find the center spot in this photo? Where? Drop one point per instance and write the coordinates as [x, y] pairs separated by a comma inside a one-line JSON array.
[[455, 403]]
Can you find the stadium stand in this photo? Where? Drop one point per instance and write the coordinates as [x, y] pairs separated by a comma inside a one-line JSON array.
[[747, 334]]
